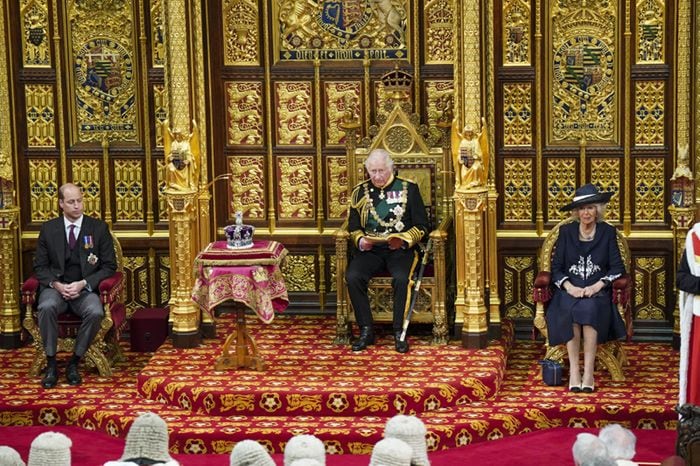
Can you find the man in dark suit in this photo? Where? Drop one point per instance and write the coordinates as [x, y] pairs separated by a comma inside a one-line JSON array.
[[74, 254], [387, 219]]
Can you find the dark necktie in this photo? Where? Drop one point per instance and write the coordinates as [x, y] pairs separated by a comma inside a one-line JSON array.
[[71, 237]]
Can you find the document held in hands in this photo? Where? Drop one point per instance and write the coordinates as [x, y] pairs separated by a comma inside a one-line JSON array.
[[381, 239]]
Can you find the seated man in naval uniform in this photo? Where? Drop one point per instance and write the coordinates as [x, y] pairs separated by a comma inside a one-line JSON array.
[[74, 254], [386, 220]]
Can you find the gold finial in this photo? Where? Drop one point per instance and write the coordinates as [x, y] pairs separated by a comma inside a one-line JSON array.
[[397, 83]]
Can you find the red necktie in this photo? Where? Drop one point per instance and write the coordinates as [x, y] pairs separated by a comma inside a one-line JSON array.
[[72, 240]]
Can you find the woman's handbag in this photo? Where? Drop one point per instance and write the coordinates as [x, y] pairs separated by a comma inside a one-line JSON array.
[[551, 372]]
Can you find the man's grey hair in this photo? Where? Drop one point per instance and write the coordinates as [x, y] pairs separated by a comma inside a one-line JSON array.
[[619, 441], [380, 154], [588, 450]]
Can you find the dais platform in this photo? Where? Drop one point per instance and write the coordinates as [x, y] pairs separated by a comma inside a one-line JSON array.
[[344, 398], [306, 373]]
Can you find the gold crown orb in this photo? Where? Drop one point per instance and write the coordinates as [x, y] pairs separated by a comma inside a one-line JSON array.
[[397, 83]]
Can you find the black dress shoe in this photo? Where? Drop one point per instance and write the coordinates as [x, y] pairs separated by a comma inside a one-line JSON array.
[[366, 338], [72, 375], [401, 346], [50, 377]]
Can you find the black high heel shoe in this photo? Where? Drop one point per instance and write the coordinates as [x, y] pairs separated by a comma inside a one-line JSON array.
[[587, 388]]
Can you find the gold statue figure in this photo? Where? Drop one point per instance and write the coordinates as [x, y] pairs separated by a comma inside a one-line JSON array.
[[5, 167], [682, 164], [470, 155], [181, 158]]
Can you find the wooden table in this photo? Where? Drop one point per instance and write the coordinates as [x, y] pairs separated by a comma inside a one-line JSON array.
[[237, 280]]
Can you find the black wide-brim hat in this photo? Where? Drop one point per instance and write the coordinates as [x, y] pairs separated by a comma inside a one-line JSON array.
[[588, 194]]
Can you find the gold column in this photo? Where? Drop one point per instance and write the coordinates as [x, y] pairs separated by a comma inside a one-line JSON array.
[[200, 113], [470, 309], [492, 264], [470, 204], [538, 95], [343, 328], [684, 88], [147, 111], [469, 65], [628, 115], [683, 74], [10, 325], [183, 249], [489, 92], [188, 229]]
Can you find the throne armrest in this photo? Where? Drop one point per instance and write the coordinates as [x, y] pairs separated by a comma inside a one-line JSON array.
[[29, 289], [622, 289], [541, 291], [439, 240], [621, 295], [342, 236], [110, 288], [440, 234], [342, 233]]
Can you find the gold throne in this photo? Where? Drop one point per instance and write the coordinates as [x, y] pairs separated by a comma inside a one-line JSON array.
[[415, 158], [611, 354]]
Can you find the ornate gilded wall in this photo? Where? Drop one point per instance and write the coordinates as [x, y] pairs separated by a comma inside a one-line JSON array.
[[91, 98], [88, 104], [581, 91], [280, 132], [601, 110]]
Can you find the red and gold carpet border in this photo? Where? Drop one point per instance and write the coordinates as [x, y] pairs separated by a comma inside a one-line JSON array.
[[521, 403]]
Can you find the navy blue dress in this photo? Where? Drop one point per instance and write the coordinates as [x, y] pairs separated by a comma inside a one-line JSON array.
[[583, 263]]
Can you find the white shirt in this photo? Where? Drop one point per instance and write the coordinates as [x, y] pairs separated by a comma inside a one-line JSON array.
[[76, 230]]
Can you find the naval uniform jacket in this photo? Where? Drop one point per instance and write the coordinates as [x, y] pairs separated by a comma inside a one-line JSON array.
[[398, 206]]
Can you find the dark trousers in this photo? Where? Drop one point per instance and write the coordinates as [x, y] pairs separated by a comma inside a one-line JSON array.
[[400, 263], [87, 306]]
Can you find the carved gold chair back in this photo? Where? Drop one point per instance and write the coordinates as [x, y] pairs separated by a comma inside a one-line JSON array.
[[415, 159]]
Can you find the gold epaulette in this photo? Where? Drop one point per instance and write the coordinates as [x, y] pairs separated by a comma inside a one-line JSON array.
[[357, 186], [357, 199]]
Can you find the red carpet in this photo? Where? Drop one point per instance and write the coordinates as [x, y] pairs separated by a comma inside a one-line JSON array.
[[306, 374], [311, 386], [543, 448]]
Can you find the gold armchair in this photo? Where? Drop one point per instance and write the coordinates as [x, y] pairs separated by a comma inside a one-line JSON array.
[[428, 166], [611, 354]]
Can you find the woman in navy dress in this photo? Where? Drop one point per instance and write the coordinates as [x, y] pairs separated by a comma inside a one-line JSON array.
[[586, 260]]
